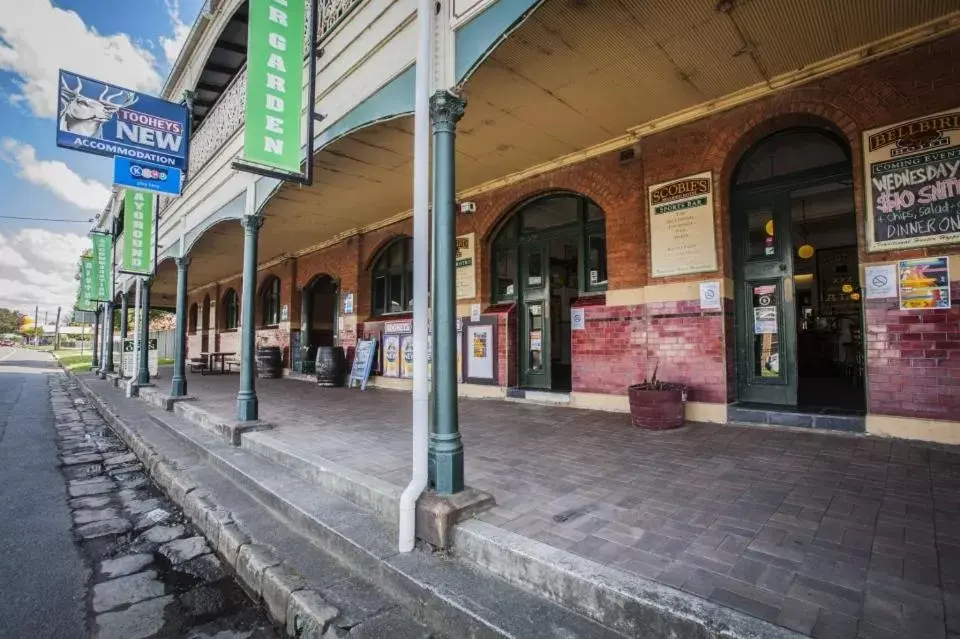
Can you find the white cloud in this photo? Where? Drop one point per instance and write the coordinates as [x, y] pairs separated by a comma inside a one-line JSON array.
[[54, 175], [44, 274], [173, 45], [38, 39]]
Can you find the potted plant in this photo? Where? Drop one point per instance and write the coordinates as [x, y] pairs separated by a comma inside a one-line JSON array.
[[657, 405]]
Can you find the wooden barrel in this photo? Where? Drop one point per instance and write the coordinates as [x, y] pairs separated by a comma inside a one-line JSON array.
[[331, 366], [269, 362]]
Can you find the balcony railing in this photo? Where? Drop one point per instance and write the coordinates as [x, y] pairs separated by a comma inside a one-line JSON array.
[[226, 116]]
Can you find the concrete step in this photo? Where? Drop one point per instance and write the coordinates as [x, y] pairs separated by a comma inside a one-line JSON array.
[[456, 598]]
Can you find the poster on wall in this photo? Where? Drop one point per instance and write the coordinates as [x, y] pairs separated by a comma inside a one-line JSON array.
[[466, 271], [681, 226], [710, 299], [924, 283], [391, 356], [480, 356], [912, 178], [406, 356], [881, 281]]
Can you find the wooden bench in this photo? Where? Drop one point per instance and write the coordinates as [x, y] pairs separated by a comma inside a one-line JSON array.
[[233, 363], [198, 364]]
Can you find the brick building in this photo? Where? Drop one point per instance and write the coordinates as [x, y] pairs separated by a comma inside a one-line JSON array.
[[725, 243]]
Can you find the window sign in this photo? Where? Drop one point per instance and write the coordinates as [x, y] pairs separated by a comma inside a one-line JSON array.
[[766, 356]]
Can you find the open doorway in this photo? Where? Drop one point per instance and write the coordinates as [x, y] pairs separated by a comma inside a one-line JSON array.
[[799, 311]]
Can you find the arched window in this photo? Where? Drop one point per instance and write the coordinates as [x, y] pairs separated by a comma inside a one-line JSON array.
[[192, 316], [270, 302], [393, 278], [231, 312], [536, 222]]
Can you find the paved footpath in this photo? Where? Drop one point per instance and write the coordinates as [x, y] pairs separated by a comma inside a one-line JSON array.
[[128, 565]]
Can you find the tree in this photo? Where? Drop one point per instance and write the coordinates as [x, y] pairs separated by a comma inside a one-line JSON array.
[[10, 320]]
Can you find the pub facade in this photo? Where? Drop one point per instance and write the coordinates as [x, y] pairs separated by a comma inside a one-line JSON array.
[[764, 208]]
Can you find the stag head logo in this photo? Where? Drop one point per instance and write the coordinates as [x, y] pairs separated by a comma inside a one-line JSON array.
[[86, 116]]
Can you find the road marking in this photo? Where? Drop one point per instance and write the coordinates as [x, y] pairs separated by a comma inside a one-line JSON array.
[[7, 356]]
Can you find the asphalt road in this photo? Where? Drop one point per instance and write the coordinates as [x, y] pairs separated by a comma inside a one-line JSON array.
[[43, 577]]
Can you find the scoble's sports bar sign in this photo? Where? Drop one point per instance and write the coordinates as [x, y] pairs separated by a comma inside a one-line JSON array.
[[108, 120], [138, 232], [103, 267], [274, 120], [913, 182], [681, 226]]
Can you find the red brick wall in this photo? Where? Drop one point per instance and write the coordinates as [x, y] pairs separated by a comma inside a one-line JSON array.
[[622, 345], [913, 360]]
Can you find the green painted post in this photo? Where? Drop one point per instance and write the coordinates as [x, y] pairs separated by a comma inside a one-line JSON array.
[[446, 110], [143, 374], [95, 350], [247, 407], [124, 297], [178, 384], [107, 364]]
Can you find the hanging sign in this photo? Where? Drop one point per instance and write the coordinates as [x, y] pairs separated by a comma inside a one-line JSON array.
[[913, 182], [138, 232], [924, 283], [105, 119], [881, 281], [681, 226], [274, 121], [87, 278], [146, 176], [466, 273], [103, 266]]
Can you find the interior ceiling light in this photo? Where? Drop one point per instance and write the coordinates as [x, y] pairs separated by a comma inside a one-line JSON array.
[[806, 250]]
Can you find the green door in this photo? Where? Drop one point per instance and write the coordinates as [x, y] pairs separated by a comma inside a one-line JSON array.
[[765, 313], [534, 315]]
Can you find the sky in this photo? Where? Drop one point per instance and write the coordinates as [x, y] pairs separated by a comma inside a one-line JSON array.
[[130, 43]]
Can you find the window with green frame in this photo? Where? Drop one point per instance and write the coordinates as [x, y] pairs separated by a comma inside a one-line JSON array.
[[551, 215], [231, 310], [393, 278], [270, 302]]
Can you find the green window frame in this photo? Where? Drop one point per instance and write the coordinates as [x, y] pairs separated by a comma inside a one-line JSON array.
[[231, 310], [590, 227], [270, 302], [392, 278]]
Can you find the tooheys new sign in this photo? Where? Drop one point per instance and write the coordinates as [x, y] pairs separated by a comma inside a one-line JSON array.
[[138, 232], [87, 277], [105, 119], [274, 121], [102, 266]]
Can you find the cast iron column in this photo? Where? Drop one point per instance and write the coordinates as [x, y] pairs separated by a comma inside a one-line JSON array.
[[123, 314], [107, 364], [446, 110], [143, 374], [94, 351], [178, 384], [247, 408]]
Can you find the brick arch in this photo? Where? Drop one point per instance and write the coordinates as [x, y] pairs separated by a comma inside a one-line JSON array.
[[381, 247], [508, 213]]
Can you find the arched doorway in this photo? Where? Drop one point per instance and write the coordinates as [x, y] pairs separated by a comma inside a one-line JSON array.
[[798, 308], [320, 312], [548, 252]]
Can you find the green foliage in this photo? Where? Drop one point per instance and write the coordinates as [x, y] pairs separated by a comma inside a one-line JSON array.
[[10, 320]]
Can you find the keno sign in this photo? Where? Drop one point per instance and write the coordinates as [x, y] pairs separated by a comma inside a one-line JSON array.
[[107, 120]]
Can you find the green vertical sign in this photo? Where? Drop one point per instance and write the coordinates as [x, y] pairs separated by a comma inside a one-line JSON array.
[[103, 266], [275, 44], [87, 275], [138, 227]]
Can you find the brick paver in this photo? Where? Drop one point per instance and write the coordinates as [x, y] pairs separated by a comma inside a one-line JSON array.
[[833, 536]]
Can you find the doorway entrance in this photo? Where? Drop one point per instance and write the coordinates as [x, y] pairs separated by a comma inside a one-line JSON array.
[[549, 252], [319, 313], [798, 300]]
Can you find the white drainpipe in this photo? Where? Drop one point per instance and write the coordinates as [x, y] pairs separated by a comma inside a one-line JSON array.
[[421, 257]]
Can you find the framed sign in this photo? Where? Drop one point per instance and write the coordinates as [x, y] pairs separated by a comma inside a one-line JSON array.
[[924, 283], [363, 358], [478, 350], [466, 271], [681, 226], [912, 180], [391, 355]]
